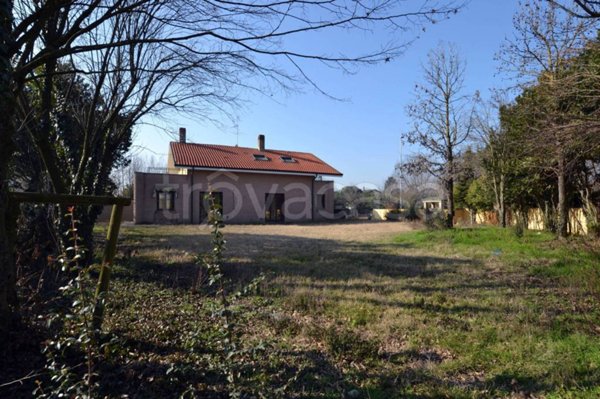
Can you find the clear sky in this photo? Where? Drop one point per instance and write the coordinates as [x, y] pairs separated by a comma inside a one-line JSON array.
[[359, 136]]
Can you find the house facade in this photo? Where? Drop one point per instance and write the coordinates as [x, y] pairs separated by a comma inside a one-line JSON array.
[[251, 185]]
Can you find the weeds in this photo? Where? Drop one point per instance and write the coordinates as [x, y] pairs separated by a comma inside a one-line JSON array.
[[233, 352], [73, 322]]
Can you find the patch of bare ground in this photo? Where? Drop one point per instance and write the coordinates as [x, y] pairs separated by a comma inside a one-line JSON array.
[[358, 231]]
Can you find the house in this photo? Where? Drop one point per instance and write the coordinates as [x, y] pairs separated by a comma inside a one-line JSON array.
[[433, 203], [251, 185]]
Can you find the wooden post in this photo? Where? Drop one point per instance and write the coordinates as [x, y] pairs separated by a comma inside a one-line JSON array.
[[107, 261], [111, 239]]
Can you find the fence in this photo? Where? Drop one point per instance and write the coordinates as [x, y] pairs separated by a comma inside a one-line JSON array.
[[535, 219]]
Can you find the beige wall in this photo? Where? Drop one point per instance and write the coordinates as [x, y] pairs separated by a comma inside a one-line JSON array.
[[463, 217], [535, 220], [577, 223], [243, 196], [171, 165], [379, 214]]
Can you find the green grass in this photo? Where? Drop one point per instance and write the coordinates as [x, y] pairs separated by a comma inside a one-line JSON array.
[[484, 241], [463, 313], [576, 259]]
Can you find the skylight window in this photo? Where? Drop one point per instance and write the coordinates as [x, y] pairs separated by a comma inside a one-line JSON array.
[[287, 159], [260, 157]]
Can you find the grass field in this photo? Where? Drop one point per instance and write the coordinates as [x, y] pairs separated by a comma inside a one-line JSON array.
[[361, 310]]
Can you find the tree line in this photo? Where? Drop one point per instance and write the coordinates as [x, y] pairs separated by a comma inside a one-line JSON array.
[[540, 149]]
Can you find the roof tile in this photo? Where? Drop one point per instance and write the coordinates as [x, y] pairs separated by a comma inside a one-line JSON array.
[[242, 158]]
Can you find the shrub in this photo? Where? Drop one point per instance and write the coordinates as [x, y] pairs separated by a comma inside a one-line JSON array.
[[519, 230], [520, 226], [74, 350], [394, 214], [411, 212], [435, 220], [594, 229]]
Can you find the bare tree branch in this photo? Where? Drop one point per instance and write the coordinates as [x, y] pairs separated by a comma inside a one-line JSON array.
[[442, 120]]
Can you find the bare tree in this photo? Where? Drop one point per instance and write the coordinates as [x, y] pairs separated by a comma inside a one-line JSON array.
[[124, 175], [540, 58], [579, 8], [543, 42], [198, 45], [442, 119]]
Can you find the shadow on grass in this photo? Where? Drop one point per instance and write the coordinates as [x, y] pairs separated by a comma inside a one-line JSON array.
[[323, 264], [306, 374], [248, 255], [298, 374]]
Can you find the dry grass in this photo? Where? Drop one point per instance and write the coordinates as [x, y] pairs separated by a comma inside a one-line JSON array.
[[374, 309]]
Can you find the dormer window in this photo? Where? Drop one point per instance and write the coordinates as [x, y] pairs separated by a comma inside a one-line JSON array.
[[260, 157], [287, 159]]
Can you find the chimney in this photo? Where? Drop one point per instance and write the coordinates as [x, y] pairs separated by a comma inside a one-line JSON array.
[[261, 142], [182, 135]]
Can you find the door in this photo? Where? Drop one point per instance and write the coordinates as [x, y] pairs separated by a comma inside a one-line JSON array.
[[205, 204], [274, 208]]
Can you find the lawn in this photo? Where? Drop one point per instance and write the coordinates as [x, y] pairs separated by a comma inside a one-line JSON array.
[[361, 310]]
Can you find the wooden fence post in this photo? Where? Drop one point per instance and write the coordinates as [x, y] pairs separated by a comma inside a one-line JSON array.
[[111, 239], [107, 261]]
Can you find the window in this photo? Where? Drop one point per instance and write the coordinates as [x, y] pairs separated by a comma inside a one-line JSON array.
[[287, 159], [260, 157], [165, 200], [321, 200]]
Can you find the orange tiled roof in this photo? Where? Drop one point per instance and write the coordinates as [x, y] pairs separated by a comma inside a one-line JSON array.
[[242, 158]]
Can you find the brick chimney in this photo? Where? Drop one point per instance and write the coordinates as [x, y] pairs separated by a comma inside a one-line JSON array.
[[182, 135], [261, 142]]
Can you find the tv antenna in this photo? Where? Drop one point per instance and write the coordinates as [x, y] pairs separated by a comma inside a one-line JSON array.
[[237, 134]]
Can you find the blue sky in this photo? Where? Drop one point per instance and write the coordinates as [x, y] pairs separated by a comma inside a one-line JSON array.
[[360, 136]]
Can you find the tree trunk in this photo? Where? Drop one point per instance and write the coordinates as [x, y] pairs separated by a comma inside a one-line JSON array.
[[501, 203], [7, 133], [563, 211], [450, 197]]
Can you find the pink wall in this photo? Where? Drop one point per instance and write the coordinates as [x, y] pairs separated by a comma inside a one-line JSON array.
[[107, 210], [243, 196]]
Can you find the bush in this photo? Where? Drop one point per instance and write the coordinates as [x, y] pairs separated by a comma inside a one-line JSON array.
[[594, 229], [394, 214], [435, 220], [519, 229], [411, 213]]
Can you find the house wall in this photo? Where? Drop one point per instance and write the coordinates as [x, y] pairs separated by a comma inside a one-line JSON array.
[[324, 188], [243, 196], [104, 217], [171, 169]]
